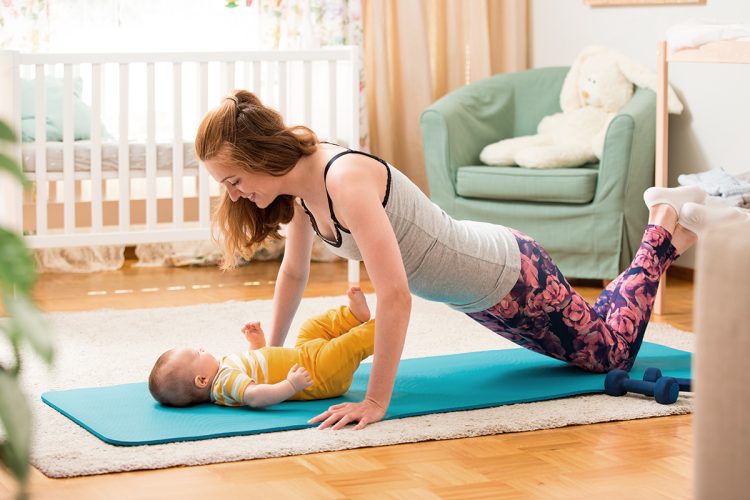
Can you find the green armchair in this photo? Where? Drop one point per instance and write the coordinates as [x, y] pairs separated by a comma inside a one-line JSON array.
[[590, 218]]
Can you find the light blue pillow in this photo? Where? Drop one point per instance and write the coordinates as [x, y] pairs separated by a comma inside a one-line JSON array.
[[54, 88]]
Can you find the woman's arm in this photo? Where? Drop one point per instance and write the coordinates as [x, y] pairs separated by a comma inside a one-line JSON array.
[[292, 277], [356, 195]]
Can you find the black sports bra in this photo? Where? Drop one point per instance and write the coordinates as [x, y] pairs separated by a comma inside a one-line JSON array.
[[336, 224]]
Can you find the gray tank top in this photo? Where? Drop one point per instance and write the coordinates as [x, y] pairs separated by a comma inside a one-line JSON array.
[[469, 265]]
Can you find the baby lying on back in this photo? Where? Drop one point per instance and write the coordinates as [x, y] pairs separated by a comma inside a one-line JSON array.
[[321, 365]]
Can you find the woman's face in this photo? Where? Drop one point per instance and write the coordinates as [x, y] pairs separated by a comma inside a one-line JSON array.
[[258, 188]]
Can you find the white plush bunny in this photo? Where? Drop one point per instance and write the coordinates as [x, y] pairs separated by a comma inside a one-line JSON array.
[[598, 85]]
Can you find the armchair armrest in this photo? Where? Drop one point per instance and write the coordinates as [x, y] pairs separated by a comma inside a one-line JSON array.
[[627, 164], [458, 126]]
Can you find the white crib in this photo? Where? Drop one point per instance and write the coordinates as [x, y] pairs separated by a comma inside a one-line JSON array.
[[134, 178]]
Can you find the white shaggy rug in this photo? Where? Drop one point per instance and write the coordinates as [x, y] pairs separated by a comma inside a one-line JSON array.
[[109, 347]]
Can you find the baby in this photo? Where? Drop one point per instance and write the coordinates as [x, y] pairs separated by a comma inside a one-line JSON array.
[[321, 365]]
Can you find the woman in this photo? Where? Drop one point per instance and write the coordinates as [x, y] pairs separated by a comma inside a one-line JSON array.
[[365, 209]]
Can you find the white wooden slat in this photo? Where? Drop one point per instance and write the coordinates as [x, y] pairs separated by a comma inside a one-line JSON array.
[[355, 67], [283, 90], [110, 175], [177, 151], [340, 53], [97, 206], [151, 210], [226, 77], [68, 152], [40, 112], [308, 93], [118, 237], [332, 104], [204, 201], [123, 164], [256, 78], [245, 84], [352, 273], [229, 70], [353, 265]]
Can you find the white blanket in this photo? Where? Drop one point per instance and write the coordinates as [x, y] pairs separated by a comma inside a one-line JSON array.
[[695, 33]]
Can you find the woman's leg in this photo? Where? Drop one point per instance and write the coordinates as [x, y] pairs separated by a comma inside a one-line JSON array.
[[659, 215], [545, 314]]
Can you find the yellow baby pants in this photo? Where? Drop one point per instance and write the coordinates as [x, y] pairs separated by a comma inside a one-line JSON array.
[[331, 346]]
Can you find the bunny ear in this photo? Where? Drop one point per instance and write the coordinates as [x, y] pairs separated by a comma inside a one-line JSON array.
[[643, 77], [569, 97]]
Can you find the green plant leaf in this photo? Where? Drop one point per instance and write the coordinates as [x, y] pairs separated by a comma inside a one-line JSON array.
[[6, 134], [17, 271], [15, 416], [30, 325], [9, 165]]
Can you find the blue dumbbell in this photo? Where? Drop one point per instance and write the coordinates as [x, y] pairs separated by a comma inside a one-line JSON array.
[[654, 374], [665, 390]]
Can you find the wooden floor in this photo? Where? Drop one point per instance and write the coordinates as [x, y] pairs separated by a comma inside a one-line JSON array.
[[650, 458]]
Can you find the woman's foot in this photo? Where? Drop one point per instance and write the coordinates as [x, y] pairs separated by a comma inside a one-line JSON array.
[[674, 197], [698, 218], [664, 204], [358, 304], [682, 239]]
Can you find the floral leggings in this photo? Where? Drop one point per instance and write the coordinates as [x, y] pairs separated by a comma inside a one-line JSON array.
[[545, 314]]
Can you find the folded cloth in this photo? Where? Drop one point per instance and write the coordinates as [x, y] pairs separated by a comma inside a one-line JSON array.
[[711, 181], [695, 33], [721, 187], [740, 201], [741, 188]]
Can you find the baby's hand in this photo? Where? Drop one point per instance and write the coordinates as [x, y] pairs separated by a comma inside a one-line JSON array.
[[254, 335], [299, 377]]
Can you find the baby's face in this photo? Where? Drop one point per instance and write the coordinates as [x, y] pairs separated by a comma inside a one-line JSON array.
[[192, 363]]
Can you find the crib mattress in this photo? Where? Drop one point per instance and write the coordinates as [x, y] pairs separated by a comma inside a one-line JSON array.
[[110, 157]]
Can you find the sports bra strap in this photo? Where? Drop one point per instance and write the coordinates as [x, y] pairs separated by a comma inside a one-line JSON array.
[[336, 224]]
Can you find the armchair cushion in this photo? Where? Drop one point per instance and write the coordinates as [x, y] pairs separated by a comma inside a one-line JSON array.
[[561, 185]]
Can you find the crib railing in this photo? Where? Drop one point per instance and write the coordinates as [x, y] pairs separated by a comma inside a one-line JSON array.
[[318, 88]]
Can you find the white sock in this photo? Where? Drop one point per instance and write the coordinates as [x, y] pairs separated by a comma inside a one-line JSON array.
[[675, 197], [697, 218]]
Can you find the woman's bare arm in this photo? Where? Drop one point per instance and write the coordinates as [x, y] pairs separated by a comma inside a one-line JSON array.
[[292, 277], [356, 196]]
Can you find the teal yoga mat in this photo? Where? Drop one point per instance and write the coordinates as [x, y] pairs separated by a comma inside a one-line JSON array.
[[128, 415]]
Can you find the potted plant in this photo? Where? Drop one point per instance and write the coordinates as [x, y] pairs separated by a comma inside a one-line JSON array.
[[20, 323]]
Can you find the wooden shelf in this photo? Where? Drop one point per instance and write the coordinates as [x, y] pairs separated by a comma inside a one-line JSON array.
[[728, 51], [723, 52]]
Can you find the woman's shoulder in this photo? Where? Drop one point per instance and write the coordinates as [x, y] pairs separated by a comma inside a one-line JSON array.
[[354, 169]]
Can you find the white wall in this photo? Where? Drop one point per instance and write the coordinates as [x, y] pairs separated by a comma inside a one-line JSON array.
[[714, 129]]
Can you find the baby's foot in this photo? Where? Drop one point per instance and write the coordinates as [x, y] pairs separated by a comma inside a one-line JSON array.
[[358, 304]]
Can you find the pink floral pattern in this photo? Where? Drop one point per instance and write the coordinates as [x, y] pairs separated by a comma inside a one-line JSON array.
[[556, 321]]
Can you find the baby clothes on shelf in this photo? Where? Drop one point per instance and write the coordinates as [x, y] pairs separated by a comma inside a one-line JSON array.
[[722, 188]]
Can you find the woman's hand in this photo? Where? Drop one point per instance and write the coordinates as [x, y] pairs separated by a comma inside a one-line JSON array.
[[337, 416]]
